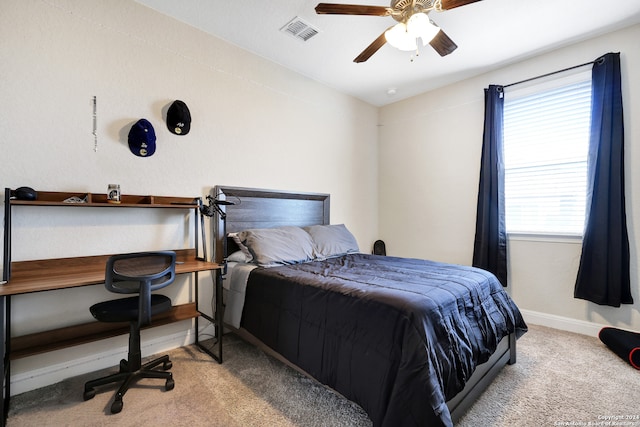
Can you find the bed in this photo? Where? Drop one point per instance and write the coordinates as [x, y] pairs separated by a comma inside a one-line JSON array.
[[413, 342]]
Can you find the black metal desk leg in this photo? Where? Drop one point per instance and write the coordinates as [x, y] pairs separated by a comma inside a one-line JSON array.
[[216, 320], [5, 367]]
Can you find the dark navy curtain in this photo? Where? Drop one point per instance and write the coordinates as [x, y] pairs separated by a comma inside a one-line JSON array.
[[490, 244], [603, 275]]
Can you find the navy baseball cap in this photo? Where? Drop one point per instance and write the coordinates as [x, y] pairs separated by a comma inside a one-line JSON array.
[[142, 139], [179, 118]]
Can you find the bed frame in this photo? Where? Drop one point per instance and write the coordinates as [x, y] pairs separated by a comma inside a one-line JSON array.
[[259, 208]]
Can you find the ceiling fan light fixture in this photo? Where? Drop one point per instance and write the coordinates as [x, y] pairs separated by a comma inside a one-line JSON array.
[[413, 24], [398, 37], [419, 25]]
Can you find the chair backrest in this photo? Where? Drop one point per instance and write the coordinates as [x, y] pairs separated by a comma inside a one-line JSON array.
[[141, 273]]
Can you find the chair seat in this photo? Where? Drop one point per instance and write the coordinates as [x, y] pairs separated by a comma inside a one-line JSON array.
[[126, 309]]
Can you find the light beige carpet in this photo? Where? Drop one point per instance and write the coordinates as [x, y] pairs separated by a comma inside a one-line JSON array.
[[560, 378], [248, 389]]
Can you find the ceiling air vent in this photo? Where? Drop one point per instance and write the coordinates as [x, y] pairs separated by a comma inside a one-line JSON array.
[[299, 29]]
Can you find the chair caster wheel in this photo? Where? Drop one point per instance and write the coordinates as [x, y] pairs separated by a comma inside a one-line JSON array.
[[116, 406], [124, 365], [167, 365], [170, 384], [89, 394]]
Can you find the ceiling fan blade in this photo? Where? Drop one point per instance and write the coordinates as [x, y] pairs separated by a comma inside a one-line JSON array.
[[452, 4], [351, 9], [371, 49], [442, 44]]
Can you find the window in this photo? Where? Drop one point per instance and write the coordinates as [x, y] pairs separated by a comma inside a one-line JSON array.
[[546, 142]]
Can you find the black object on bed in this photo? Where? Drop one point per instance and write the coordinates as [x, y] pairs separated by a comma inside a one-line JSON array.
[[398, 336], [625, 344]]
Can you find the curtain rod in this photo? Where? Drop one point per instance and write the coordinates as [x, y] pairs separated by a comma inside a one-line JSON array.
[[552, 73]]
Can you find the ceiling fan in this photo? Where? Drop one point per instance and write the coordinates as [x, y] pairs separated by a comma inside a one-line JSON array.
[[413, 23]]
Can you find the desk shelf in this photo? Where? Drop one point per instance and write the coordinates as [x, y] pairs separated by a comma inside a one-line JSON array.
[[57, 339], [55, 198]]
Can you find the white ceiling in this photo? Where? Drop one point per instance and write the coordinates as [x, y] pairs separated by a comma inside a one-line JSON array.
[[489, 35]]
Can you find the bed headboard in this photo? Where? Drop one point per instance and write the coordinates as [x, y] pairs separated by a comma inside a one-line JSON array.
[[260, 208]]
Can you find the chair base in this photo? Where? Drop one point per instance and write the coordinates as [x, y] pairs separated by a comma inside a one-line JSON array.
[[129, 377]]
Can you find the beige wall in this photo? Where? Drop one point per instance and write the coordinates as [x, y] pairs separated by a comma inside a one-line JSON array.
[[255, 124], [429, 164]]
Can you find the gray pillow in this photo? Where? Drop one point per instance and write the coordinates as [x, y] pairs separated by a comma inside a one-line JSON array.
[[332, 240], [278, 246]]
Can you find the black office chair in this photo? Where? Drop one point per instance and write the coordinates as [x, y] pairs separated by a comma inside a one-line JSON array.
[[139, 273]]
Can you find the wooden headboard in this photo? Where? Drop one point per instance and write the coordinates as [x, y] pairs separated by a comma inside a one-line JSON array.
[[260, 208]]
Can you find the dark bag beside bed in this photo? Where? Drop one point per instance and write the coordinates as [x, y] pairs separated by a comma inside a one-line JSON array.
[[625, 344]]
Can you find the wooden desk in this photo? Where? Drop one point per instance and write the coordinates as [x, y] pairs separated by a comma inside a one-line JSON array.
[[62, 273], [27, 277]]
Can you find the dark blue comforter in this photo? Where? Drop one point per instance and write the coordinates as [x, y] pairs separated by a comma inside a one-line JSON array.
[[398, 336]]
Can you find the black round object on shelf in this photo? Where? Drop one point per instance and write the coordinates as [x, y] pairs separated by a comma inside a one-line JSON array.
[[26, 193]]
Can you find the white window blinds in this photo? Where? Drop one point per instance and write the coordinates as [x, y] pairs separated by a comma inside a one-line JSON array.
[[546, 140]]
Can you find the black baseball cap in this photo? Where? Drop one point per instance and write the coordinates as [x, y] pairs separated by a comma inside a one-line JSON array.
[[179, 118]]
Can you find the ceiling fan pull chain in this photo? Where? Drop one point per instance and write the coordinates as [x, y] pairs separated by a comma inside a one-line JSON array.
[[413, 57]]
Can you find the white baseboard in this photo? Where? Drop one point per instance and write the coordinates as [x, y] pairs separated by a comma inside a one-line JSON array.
[[37, 378], [563, 323]]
